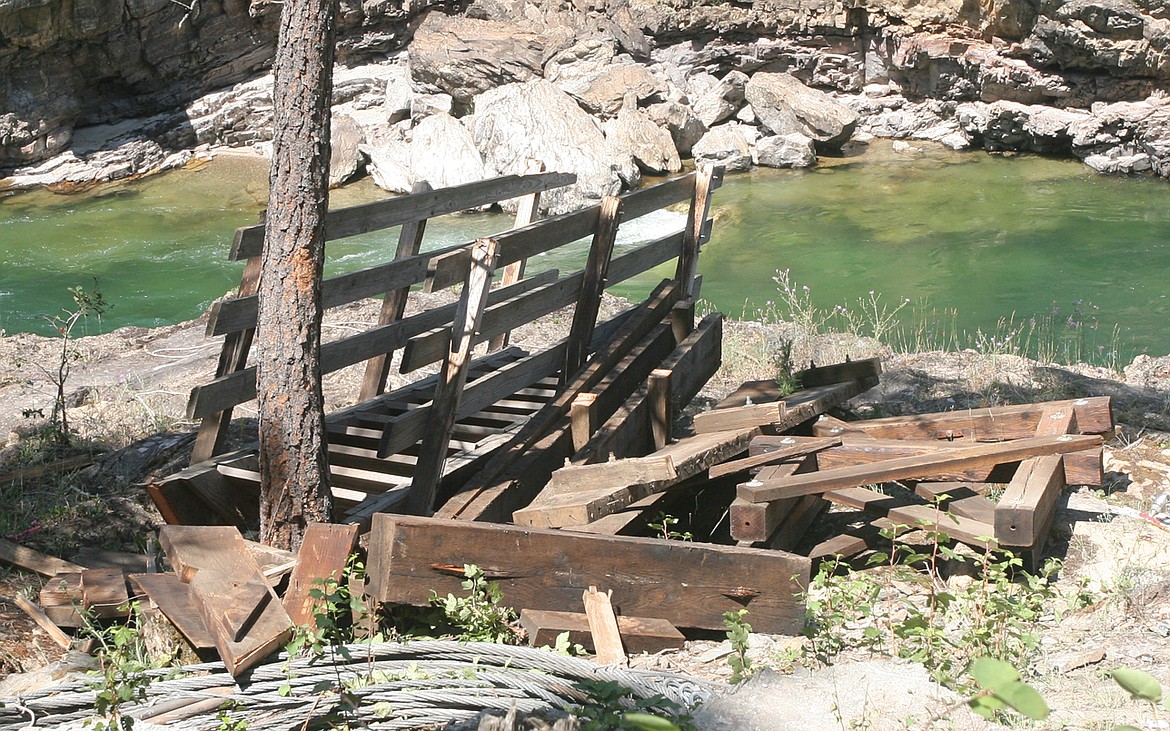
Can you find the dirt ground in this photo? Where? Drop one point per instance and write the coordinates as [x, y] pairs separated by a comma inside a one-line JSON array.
[[130, 384]]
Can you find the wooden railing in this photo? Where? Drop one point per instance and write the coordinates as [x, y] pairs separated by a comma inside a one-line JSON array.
[[426, 337]]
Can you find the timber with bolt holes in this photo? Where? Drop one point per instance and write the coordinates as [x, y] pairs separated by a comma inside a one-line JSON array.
[[569, 476]]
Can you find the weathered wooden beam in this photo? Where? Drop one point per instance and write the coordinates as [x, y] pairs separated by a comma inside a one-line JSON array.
[[639, 634], [174, 599], [104, 593], [323, 556], [1093, 415], [580, 494], [452, 378], [589, 302], [233, 358], [245, 632], [688, 584], [37, 614], [410, 239], [786, 413], [1083, 467], [27, 558], [603, 627], [779, 449], [707, 179], [361, 219], [1028, 502], [526, 210], [916, 467], [850, 370], [759, 522]]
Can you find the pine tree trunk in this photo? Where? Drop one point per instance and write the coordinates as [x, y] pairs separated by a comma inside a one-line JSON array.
[[294, 484]]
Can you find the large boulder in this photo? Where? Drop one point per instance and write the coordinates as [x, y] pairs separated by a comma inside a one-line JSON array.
[[345, 157], [721, 100], [583, 58], [603, 92], [786, 151], [651, 146], [443, 153], [389, 165], [729, 145], [680, 121], [536, 120], [783, 105], [464, 56]]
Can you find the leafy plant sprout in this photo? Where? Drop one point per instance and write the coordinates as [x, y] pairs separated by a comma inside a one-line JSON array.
[[86, 303]]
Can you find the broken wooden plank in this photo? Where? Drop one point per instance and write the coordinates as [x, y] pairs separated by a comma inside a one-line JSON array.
[[32, 610], [573, 498], [687, 584], [323, 556], [1093, 415], [75, 462], [103, 592], [229, 570], [1028, 501], [174, 599], [921, 517], [780, 449], [452, 378], [915, 467], [603, 627], [35, 561], [639, 634]]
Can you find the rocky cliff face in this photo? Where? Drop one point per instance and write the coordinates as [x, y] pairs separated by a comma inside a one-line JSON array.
[[907, 68], [70, 63]]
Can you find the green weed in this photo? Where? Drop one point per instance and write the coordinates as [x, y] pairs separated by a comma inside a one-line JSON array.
[[611, 705]]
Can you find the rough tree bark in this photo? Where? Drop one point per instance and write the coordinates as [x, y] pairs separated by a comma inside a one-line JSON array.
[[294, 487]]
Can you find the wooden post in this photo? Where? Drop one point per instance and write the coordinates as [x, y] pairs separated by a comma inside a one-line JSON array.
[[581, 419], [661, 414], [394, 303], [514, 272], [452, 378], [607, 639], [585, 315], [233, 357], [688, 259]]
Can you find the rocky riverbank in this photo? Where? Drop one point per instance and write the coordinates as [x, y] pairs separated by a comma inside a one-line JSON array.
[[610, 90]]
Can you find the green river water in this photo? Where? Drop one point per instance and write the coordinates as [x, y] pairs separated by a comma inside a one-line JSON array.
[[968, 238]]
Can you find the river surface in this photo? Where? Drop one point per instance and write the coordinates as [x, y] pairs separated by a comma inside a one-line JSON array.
[[980, 246]]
